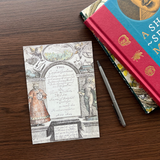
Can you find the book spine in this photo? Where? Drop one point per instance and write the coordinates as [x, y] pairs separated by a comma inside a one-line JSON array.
[[109, 42]]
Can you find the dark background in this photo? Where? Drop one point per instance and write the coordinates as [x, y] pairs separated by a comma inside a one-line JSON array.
[[35, 22]]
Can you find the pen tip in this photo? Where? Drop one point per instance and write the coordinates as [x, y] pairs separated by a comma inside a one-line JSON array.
[[124, 125]]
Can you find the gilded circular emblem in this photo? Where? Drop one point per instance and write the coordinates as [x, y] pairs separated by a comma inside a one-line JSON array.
[[150, 70], [124, 40]]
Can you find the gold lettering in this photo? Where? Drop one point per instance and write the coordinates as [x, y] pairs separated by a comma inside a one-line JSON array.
[[157, 50], [145, 35]]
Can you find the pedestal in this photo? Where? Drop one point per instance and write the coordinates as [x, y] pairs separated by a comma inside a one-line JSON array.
[[89, 128], [39, 134], [64, 130]]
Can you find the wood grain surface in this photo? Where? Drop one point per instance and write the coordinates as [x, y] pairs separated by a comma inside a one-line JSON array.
[[35, 22]]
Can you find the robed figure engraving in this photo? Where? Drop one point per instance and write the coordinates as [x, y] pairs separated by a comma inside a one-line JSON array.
[[38, 111]]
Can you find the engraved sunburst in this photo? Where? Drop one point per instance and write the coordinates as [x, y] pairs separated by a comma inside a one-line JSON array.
[[137, 56]]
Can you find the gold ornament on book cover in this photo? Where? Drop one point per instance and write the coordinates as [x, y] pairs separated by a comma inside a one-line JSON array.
[[150, 70], [124, 40], [137, 56]]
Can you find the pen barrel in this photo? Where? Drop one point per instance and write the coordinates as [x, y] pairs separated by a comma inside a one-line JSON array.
[[119, 114], [107, 84], [116, 107]]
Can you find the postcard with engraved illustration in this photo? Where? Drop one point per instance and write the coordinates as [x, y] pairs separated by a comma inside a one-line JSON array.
[[61, 92]]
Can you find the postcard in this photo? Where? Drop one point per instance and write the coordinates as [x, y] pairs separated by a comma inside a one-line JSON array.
[[61, 92]]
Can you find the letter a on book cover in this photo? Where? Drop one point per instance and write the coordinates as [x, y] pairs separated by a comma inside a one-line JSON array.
[[130, 29], [61, 92]]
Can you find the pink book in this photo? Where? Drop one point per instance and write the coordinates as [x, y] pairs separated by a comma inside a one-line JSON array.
[[133, 41]]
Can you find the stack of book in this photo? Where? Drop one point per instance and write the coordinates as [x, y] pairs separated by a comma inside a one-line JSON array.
[[128, 31]]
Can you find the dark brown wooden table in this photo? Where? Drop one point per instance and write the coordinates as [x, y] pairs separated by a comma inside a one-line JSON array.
[[34, 22]]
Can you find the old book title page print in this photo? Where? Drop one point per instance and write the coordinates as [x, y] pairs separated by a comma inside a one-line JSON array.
[[61, 92]]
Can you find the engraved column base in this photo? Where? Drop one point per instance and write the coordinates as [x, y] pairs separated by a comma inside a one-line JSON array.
[[39, 134], [89, 129]]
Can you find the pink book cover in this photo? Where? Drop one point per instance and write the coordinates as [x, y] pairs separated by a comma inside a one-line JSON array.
[[134, 42]]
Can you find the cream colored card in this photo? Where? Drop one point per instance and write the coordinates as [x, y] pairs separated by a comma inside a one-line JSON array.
[[61, 92]]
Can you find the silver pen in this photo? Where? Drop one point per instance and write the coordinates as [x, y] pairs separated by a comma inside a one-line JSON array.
[[115, 104]]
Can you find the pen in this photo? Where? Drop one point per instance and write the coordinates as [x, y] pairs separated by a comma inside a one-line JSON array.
[[115, 104]]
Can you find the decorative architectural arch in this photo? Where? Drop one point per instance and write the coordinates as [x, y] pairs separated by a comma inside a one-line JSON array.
[[59, 63]]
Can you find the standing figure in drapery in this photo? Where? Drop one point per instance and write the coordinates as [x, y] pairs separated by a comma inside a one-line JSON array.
[[88, 91], [38, 110]]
